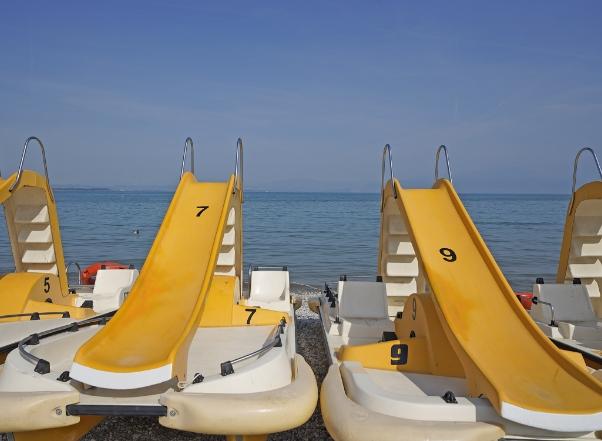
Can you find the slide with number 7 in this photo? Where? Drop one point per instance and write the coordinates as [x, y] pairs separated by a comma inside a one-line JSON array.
[[147, 340]]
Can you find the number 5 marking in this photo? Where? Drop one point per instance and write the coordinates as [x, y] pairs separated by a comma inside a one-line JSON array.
[[202, 209], [46, 285], [252, 313], [448, 254]]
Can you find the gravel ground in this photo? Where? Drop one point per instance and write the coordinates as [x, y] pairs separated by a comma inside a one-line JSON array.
[[310, 345]]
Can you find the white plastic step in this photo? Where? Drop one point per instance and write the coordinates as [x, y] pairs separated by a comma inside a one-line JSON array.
[[39, 255], [48, 268], [395, 225], [590, 207], [231, 217], [33, 234], [586, 270], [402, 267], [229, 237], [587, 226], [226, 256], [400, 245], [225, 270], [402, 289], [31, 214]]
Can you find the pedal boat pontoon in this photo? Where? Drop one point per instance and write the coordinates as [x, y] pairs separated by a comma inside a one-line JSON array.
[[570, 311], [37, 297], [186, 346], [461, 359]]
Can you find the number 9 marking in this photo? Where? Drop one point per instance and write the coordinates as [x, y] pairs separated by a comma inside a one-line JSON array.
[[399, 354], [448, 254]]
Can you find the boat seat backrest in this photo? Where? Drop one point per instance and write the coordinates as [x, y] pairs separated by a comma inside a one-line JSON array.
[[571, 303], [269, 286], [114, 280], [365, 300]]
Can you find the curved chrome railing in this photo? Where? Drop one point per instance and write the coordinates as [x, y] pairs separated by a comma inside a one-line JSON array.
[[79, 271], [42, 366], [584, 149], [386, 151], [227, 368], [20, 172], [239, 169], [449, 175], [187, 143]]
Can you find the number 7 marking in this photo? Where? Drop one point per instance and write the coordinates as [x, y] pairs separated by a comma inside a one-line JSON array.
[[202, 209], [252, 313]]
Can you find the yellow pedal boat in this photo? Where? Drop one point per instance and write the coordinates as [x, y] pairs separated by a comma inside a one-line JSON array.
[[461, 359], [187, 345], [37, 296]]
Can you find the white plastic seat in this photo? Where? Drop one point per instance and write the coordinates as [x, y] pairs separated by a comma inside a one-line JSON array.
[[362, 300], [110, 288], [573, 312], [362, 311], [270, 289]]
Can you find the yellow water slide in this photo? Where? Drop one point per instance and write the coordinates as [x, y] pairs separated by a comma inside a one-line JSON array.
[[147, 340], [504, 354]]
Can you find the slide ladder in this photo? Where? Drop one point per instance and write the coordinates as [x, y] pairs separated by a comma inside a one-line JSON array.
[[32, 221], [505, 356], [147, 340], [581, 251]]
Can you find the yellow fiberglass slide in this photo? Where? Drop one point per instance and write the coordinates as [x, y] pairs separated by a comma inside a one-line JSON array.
[[505, 355], [147, 341]]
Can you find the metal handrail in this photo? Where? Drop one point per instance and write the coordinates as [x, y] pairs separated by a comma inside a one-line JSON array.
[[79, 271], [20, 172], [577, 161], [42, 366], [239, 169], [226, 367], [36, 315], [536, 300], [449, 175], [188, 143], [386, 150]]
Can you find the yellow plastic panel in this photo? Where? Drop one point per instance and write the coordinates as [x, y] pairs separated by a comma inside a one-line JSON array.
[[252, 315], [220, 309], [505, 355], [74, 311], [409, 355], [156, 323], [421, 344], [421, 320], [29, 292], [220, 299]]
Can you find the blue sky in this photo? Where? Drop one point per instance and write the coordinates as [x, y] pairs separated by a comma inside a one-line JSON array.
[[314, 88]]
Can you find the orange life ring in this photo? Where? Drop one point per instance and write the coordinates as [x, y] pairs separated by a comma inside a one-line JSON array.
[[89, 273]]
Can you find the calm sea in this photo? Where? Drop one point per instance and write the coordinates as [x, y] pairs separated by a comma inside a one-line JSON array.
[[318, 235]]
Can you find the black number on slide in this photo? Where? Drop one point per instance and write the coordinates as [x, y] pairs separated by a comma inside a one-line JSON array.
[[252, 312], [448, 254], [399, 355], [46, 285], [202, 209]]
